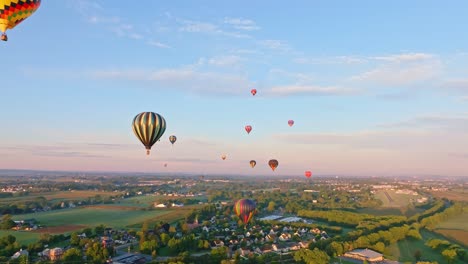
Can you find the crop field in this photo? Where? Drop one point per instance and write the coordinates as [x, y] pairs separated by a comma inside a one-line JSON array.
[[404, 250], [381, 211], [65, 195], [22, 237], [91, 216], [455, 195], [392, 199], [455, 229]]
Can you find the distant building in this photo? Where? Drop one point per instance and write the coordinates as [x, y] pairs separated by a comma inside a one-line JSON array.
[[20, 253], [55, 253], [365, 254], [129, 259]]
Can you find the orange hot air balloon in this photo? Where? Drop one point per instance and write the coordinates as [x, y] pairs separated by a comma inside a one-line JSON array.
[[223, 156], [253, 163], [248, 129], [290, 123], [253, 91], [273, 164], [308, 174]]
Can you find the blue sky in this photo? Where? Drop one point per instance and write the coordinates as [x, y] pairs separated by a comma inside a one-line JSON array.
[[374, 89]]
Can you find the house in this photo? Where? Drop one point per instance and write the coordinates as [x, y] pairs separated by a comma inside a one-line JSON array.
[[55, 253], [20, 253], [364, 254], [285, 237], [107, 242], [159, 205], [129, 259], [270, 237], [217, 244]]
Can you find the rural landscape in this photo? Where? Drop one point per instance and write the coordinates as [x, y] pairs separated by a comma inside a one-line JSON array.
[[142, 218]]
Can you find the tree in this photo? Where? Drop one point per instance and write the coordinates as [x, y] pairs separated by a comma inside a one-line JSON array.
[[449, 255], [74, 239], [417, 255], [271, 206], [72, 255], [99, 230], [7, 222]]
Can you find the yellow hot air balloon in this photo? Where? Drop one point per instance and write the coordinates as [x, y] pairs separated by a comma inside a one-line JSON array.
[[13, 12]]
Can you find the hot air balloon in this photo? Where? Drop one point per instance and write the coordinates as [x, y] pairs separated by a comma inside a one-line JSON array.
[[248, 129], [290, 122], [308, 174], [245, 209], [148, 127], [165, 164], [273, 164], [223, 156], [253, 163], [253, 91], [172, 139], [13, 12]]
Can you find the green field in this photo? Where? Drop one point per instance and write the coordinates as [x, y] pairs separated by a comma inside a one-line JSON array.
[[397, 200], [455, 228], [93, 216], [23, 237], [404, 250], [381, 211], [57, 196]]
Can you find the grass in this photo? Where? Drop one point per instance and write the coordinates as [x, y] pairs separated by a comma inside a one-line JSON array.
[[62, 196], [399, 200], [23, 237], [455, 228], [455, 195], [404, 250], [93, 216]]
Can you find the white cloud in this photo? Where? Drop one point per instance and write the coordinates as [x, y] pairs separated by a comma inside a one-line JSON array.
[[275, 44], [158, 44], [460, 85], [453, 123], [388, 75], [331, 60], [310, 90], [207, 28], [241, 23], [183, 78], [405, 57], [230, 60]]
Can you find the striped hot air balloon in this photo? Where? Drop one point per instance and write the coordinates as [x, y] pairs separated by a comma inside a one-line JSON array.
[[172, 139], [148, 128], [13, 12], [245, 209]]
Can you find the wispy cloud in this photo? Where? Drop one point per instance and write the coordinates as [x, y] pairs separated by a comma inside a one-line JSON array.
[[402, 69], [206, 28], [241, 23], [229, 60], [183, 79], [311, 90], [460, 85], [453, 123], [275, 44], [158, 44], [331, 60]]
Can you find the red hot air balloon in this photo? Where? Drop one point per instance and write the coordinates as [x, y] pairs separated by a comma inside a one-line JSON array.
[[290, 122], [248, 129], [273, 164], [253, 91], [308, 174], [245, 209]]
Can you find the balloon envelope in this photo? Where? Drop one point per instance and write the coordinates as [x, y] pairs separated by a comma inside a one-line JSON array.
[[253, 91], [148, 127], [273, 164], [245, 209], [13, 12], [173, 139], [248, 128], [253, 163], [223, 157], [308, 174], [290, 122]]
